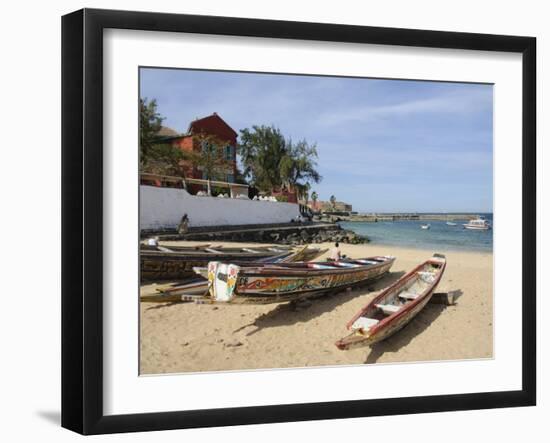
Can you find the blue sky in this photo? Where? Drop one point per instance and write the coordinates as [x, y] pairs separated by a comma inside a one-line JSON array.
[[384, 145]]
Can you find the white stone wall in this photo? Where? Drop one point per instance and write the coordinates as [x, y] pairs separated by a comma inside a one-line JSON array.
[[162, 208]]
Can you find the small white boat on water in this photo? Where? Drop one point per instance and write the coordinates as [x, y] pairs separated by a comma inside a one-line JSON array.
[[451, 223], [425, 226], [479, 224]]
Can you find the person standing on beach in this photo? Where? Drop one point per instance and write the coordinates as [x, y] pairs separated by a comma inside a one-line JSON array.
[[335, 253], [184, 225]]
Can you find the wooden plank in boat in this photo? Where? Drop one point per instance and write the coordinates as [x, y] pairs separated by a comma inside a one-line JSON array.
[[388, 309], [408, 295], [213, 251], [164, 249]]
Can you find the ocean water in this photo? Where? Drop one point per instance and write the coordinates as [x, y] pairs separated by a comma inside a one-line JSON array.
[[439, 237]]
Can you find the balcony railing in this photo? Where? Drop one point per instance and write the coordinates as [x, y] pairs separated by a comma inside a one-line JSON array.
[[236, 190]]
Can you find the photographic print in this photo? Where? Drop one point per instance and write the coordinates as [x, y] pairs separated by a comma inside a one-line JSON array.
[[314, 203], [292, 221]]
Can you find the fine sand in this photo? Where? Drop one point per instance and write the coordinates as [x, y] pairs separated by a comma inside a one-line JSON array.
[[183, 337]]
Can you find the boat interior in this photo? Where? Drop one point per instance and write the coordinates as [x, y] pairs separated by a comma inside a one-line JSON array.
[[341, 264], [216, 249], [394, 300]]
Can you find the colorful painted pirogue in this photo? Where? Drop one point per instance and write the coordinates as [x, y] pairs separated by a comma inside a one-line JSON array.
[[395, 306], [177, 263], [281, 282]]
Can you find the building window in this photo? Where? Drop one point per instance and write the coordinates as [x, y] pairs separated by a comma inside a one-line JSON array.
[[229, 152], [230, 178]]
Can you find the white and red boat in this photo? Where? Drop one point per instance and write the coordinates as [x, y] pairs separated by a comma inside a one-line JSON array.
[[396, 306], [479, 224]]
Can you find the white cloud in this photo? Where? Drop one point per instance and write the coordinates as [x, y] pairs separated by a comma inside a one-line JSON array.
[[453, 102]]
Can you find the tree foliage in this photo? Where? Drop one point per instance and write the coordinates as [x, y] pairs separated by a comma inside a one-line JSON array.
[[150, 122], [156, 157], [304, 195], [164, 159], [314, 197], [272, 162], [211, 157]]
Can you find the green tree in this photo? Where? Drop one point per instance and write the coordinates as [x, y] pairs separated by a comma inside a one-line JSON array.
[[261, 150], [333, 202], [298, 167], [211, 157], [305, 193], [150, 122], [239, 176], [157, 157], [164, 159], [272, 162], [314, 198]]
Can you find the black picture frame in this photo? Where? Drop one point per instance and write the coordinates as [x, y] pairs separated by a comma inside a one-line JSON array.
[[82, 218]]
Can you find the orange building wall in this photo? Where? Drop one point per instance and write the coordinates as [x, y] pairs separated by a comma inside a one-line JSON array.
[[188, 144]]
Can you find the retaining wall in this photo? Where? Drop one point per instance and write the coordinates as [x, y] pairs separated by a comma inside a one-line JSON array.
[[162, 208]]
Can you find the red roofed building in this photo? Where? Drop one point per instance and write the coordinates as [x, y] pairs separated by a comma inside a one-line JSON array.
[[214, 126]]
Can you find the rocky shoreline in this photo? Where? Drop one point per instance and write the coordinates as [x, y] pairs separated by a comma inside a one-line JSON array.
[[286, 234], [330, 236]]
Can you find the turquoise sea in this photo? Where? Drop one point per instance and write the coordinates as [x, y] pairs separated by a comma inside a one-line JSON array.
[[440, 236]]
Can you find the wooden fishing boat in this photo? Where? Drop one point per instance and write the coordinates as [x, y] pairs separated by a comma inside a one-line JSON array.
[[281, 282], [395, 306], [214, 248], [170, 248], [171, 264], [182, 266], [197, 289]]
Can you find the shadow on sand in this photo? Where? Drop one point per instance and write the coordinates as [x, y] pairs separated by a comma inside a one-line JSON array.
[[167, 304], [304, 310], [418, 324]]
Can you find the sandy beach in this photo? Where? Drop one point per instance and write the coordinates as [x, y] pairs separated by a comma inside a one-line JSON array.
[[188, 337]]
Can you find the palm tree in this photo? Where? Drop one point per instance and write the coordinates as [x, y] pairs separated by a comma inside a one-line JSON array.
[[333, 202], [314, 198]]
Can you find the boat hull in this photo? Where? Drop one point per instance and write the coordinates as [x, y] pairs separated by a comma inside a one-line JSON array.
[[179, 268], [274, 285], [478, 224], [400, 318], [357, 339], [160, 265]]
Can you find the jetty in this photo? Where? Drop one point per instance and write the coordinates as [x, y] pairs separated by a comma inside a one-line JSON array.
[[379, 217]]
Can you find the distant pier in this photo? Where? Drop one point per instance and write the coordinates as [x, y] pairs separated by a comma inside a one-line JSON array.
[[404, 216]]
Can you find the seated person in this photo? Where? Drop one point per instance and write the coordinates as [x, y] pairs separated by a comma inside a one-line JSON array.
[[335, 253]]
